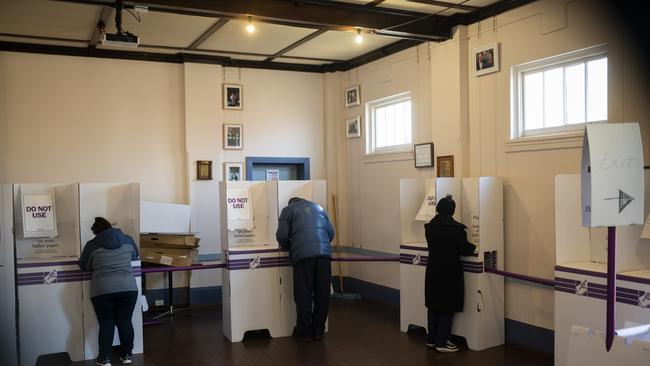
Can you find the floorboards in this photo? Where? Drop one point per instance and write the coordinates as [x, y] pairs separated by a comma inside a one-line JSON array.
[[360, 333]]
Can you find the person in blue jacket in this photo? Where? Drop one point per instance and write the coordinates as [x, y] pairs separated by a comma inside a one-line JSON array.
[[114, 291], [305, 230]]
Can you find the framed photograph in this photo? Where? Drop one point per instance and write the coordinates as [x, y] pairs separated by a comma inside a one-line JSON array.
[[352, 96], [423, 155], [233, 137], [204, 169], [486, 59], [232, 96], [353, 127], [233, 172], [445, 166]]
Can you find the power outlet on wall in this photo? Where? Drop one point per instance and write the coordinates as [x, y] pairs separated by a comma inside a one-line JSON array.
[[159, 302]]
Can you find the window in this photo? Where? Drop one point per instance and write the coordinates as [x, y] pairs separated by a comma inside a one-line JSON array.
[[389, 124], [560, 93]]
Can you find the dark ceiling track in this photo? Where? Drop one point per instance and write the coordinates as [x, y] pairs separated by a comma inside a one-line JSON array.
[[371, 56], [446, 4], [101, 25], [487, 12], [296, 44], [207, 34]]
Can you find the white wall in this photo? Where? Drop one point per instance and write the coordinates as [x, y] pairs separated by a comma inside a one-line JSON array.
[[71, 119], [469, 117]]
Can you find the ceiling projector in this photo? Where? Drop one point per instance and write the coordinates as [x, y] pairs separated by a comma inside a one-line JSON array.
[[124, 39]]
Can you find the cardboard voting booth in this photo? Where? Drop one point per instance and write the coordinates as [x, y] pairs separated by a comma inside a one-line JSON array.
[[48, 276], [587, 347], [119, 203], [581, 268], [479, 205], [251, 279], [417, 207]]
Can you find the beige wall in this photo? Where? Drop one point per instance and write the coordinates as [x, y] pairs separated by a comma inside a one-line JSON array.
[[469, 117], [70, 119]]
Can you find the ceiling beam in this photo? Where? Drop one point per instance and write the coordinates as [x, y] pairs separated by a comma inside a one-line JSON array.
[[101, 25], [374, 3], [208, 33], [487, 11], [371, 56], [446, 4], [315, 14], [296, 44]]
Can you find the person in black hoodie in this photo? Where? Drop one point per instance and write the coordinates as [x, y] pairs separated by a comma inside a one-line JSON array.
[[444, 286], [114, 291]]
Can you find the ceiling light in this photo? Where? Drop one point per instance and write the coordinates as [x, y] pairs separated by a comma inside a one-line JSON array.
[[250, 28], [358, 38]]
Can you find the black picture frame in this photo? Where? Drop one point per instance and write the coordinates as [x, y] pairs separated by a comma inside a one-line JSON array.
[[423, 155]]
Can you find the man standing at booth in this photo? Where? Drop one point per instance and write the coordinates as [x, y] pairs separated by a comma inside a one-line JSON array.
[[305, 230]]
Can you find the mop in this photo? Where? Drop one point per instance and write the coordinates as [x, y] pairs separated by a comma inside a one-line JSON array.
[[340, 295]]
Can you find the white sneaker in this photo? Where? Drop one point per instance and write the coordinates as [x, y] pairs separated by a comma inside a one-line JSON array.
[[103, 362], [126, 360], [448, 347]]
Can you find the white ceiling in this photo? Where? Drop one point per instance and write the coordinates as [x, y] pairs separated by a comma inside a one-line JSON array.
[[70, 24]]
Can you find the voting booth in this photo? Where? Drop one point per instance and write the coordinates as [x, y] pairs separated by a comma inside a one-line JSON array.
[[611, 191], [479, 205], [417, 207], [251, 279], [581, 268], [119, 203], [49, 280], [312, 190]]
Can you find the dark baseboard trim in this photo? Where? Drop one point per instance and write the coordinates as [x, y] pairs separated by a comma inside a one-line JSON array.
[[530, 336]]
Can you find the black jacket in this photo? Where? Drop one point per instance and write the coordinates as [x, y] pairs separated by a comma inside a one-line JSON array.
[[305, 230], [444, 286]]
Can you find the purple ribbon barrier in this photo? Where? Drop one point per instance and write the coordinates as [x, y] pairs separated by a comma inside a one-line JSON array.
[[185, 268], [537, 280], [366, 259]]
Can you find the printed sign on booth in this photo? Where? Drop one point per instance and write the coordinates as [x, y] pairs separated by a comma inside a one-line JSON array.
[[240, 212], [39, 216], [428, 208]]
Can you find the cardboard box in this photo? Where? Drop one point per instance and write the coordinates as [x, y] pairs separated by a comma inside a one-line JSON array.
[[169, 256], [184, 241]]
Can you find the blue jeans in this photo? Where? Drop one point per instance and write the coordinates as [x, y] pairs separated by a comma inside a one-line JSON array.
[[114, 310]]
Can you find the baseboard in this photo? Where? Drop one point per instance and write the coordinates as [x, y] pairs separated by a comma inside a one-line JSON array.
[[530, 336], [368, 290]]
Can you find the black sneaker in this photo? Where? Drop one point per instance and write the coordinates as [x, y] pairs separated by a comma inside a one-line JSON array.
[[126, 360], [447, 347], [100, 361]]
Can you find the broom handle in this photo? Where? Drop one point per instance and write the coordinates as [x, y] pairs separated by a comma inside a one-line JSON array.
[[337, 243]]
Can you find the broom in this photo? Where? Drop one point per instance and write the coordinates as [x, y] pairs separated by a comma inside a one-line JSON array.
[[340, 295]]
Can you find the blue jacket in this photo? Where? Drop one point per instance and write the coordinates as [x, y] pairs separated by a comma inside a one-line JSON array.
[[305, 230], [108, 256]]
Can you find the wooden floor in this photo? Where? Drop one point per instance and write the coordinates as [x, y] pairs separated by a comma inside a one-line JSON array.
[[360, 333]]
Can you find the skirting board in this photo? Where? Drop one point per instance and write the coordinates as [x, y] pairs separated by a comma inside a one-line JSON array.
[[517, 333]]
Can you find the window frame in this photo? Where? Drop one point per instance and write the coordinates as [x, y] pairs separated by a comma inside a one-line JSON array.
[[517, 73], [371, 148]]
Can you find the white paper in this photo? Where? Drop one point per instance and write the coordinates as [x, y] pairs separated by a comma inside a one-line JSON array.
[[240, 212], [272, 174], [428, 208], [423, 155], [39, 215], [612, 175]]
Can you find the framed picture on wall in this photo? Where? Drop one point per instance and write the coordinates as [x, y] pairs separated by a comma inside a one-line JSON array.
[[233, 137], [232, 96], [352, 96], [233, 172], [486, 59], [423, 155], [204, 170], [445, 166], [353, 127]]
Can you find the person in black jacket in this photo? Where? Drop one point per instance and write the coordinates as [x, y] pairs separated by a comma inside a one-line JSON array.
[[305, 230], [444, 286]]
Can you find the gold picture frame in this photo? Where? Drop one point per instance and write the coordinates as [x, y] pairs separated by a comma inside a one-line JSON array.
[[445, 166]]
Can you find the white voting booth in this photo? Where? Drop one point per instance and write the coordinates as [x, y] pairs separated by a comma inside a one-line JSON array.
[[46, 224], [257, 280], [119, 203], [610, 192], [479, 205]]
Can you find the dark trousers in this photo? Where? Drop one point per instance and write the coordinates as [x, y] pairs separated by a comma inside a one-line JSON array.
[[113, 310], [312, 278], [439, 327]]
